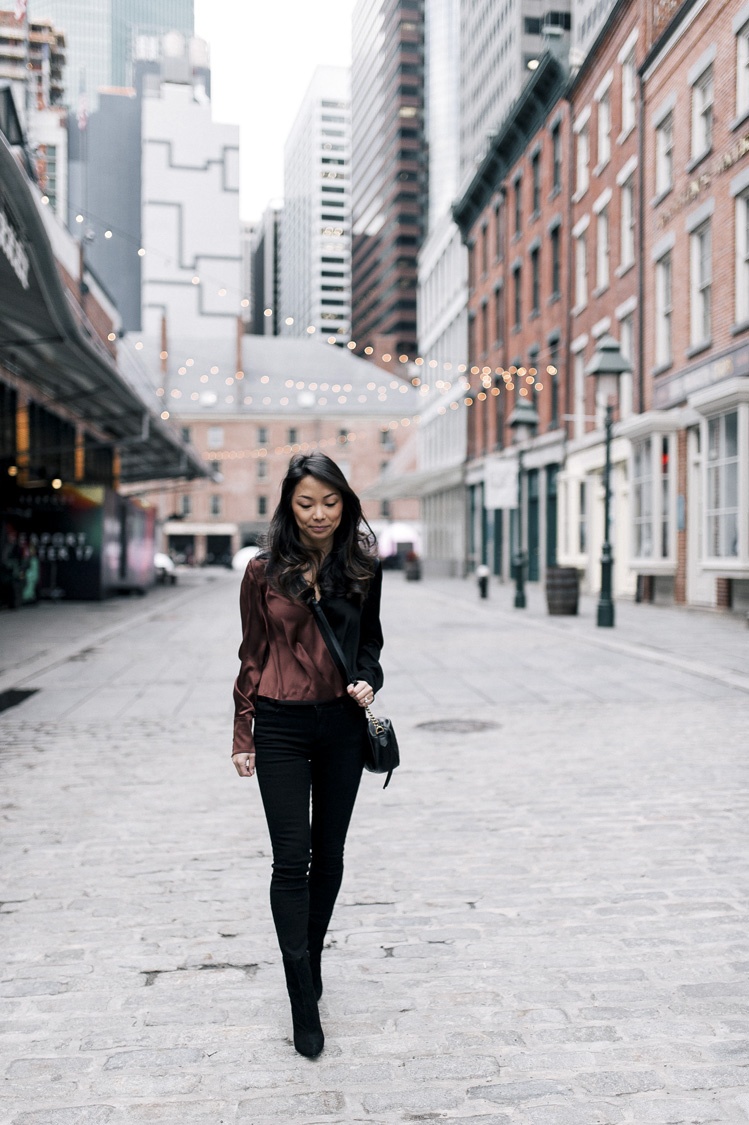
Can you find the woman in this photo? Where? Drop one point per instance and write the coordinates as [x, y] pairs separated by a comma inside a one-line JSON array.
[[309, 726]]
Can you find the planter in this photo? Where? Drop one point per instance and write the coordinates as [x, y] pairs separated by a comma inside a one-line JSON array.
[[562, 591]]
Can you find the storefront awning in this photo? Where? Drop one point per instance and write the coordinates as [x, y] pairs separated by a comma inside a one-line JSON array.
[[424, 482], [47, 342]]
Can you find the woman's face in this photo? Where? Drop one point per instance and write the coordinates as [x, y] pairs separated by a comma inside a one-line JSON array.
[[318, 509]]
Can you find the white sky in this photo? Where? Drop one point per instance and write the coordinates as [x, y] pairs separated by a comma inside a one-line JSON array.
[[263, 55]]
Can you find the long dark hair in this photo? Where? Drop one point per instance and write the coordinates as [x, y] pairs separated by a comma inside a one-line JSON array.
[[348, 569]]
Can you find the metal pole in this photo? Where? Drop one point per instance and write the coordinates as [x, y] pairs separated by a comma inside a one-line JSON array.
[[606, 603], [520, 554]]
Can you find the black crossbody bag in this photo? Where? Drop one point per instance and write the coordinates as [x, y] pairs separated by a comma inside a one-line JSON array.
[[382, 746]]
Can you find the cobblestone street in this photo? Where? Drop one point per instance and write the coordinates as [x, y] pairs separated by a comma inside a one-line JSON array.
[[543, 922]]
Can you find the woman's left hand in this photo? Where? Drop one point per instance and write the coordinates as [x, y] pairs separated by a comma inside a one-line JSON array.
[[361, 692]]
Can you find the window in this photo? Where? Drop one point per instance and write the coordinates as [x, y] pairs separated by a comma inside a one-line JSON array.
[[665, 496], [553, 372], [536, 176], [386, 439], [664, 155], [262, 435], [579, 393], [583, 159], [484, 250], [215, 437], [722, 507], [262, 469], [604, 130], [215, 505], [185, 430], [385, 509], [602, 249], [742, 71], [628, 93], [499, 232], [471, 265], [532, 25], [742, 258], [627, 347], [556, 157], [627, 211], [484, 327], [293, 435], [642, 483], [556, 261], [581, 271], [702, 114], [663, 311], [518, 203], [262, 505], [700, 253], [499, 315], [536, 280], [185, 505], [517, 295], [582, 520]]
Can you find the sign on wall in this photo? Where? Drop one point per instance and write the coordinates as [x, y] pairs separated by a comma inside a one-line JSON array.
[[501, 484]]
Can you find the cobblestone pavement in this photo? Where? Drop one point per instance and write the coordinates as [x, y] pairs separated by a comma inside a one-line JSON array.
[[542, 922]]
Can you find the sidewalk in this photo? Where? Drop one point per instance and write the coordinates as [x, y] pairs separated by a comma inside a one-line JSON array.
[[543, 919]]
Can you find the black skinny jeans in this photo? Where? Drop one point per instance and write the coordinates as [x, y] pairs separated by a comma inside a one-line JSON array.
[[303, 749]]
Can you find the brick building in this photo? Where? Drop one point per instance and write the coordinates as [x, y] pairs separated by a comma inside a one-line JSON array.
[[514, 218], [603, 281], [289, 395], [690, 459]]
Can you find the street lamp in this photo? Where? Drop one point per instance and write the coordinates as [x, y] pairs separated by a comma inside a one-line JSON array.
[[523, 422], [607, 365]]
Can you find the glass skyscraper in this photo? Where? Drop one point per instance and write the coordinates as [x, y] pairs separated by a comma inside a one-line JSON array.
[[100, 35]]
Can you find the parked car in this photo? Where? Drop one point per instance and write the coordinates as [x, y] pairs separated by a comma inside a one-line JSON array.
[[243, 556], [166, 571]]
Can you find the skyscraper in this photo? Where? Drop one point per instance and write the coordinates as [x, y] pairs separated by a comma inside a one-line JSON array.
[[316, 243], [389, 190], [100, 35], [499, 43]]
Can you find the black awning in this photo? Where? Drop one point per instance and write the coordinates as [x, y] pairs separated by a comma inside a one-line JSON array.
[[45, 338]]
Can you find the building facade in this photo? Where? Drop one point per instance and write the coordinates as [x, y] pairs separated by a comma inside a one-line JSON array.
[[316, 247], [389, 186], [265, 253], [100, 38]]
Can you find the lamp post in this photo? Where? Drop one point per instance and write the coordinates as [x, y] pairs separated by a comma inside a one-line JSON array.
[[522, 422], [607, 365]]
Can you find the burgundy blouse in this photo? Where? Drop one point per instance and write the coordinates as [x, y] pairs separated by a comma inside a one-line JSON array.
[[283, 656]]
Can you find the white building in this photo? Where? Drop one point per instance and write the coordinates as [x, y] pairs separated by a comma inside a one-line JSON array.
[[588, 17], [316, 245], [498, 41], [191, 266]]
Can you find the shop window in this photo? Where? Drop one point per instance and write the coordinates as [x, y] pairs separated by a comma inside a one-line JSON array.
[[665, 496], [642, 487], [722, 503], [582, 519]]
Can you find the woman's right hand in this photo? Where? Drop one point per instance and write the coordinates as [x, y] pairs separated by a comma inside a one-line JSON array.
[[244, 763]]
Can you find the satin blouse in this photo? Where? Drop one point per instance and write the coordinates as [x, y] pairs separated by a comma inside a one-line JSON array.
[[283, 655]]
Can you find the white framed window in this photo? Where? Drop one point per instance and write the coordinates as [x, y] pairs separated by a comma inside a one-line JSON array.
[[642, 497], [602, 249], [722, 501], [702, 113], [582, 161], [700, 272], [216, 505], [185, 505], [627, 348], [742, 71], [628, 92], [742, 258], [581, 271], [215, 437], [664, 155], [663, 310], [604, 129], [627, 231]]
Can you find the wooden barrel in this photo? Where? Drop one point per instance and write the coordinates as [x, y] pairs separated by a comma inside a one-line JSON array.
[[562, 588]]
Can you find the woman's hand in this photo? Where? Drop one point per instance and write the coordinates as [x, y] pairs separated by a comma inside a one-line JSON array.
[[244, 763], [361, 692]]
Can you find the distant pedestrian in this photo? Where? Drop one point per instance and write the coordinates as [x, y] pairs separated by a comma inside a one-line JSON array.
[[309, 733]]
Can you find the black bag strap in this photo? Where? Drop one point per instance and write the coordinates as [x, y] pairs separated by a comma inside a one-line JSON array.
[[331, 641]]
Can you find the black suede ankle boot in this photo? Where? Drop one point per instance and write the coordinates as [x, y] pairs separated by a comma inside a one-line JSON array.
[[308, 1036]]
